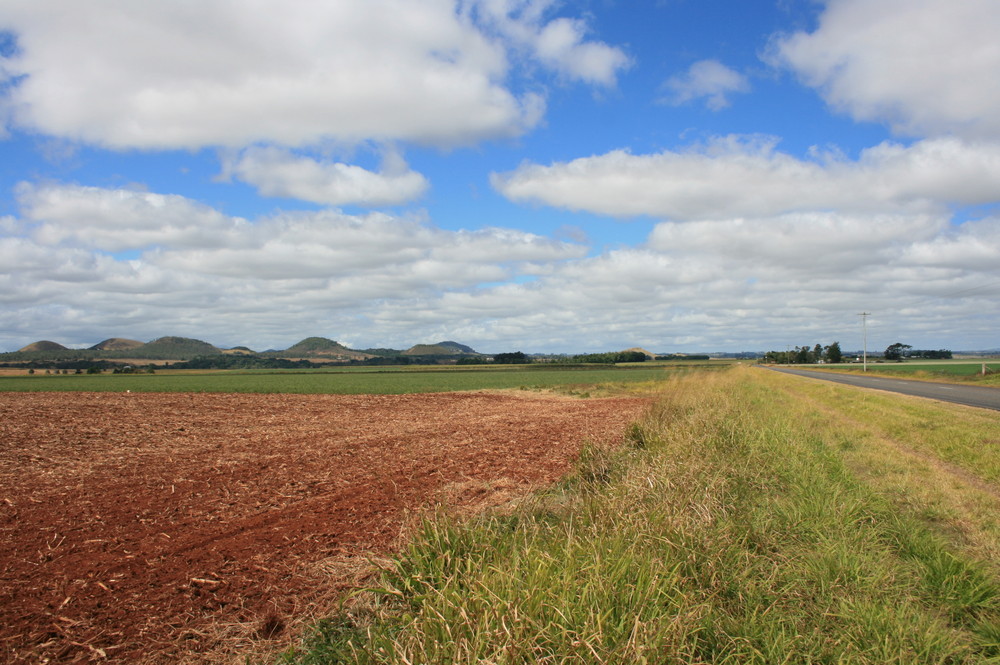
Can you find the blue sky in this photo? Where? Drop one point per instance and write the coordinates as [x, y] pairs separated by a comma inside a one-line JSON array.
[[547, 176]]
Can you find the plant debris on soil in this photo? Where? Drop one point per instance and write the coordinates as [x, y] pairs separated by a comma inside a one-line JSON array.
[[159, 527]]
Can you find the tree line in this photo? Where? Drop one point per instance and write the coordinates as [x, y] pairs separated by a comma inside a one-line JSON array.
[[803, 355], [899, 351]]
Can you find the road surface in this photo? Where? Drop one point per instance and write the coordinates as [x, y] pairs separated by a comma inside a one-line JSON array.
[[981, 396]]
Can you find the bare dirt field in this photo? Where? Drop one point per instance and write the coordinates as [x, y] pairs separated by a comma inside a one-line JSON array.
[[154, 528]]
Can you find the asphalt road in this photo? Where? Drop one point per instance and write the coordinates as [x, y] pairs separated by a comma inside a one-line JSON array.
[[980, 396]]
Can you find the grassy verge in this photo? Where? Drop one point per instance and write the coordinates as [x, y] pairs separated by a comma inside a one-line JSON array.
[[948, 371], [739, 526]]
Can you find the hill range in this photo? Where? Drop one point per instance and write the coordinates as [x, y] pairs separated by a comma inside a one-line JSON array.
[[317, 349]]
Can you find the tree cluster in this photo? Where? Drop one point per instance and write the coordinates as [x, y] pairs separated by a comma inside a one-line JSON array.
[[611, 357], [684, 356], [514, 358], [898, 351], [803, 355]]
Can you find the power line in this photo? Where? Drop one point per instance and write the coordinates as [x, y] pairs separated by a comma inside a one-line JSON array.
[[864, 327]]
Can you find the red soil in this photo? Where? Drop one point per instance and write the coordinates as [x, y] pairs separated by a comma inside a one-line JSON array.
[[187, 528]]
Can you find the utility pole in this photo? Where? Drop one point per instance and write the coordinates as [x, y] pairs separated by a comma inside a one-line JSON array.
[[864, 327]]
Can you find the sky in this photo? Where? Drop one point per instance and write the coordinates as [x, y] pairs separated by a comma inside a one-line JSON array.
[[535, 175]]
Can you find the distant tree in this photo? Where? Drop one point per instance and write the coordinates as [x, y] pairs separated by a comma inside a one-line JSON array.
[[940, 354], [896, 351], [833, 354], [515, 358], [817, 353], [802, 355]]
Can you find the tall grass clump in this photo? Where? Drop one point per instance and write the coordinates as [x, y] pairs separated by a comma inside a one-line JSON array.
[[725, 530]]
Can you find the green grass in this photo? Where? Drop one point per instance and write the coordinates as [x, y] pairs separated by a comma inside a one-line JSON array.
[[738, 526], [354, 380]]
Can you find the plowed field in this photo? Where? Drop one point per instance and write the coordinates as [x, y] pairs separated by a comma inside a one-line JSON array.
[[154, 528]]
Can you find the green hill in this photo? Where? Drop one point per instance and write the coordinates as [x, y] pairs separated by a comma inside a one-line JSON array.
[[440, 349], [458, 348], [240, 350], [318, 347], [174, 348]]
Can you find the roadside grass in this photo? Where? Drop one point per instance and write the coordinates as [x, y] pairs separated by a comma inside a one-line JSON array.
[[732, 528], [936, 461], [949, 371]]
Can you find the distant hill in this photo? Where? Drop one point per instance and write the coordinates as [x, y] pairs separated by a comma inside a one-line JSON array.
[[43, 345], [240, 351], [641, 350], [116, 344], [318, 347], [172, 348], [175, 348], [459, 348], [440, 349]]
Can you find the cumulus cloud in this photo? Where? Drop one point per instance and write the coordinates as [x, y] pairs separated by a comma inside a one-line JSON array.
[[716, 284], [736, 176], [812, 244], [975, 245], [311, 271], [115, 220], [925, 67], [559, 44], [373, 256], [278, 172], [123, 74], [708, 79], [375, 279]]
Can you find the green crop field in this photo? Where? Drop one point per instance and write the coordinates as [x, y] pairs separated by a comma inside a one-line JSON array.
[[357, 380]]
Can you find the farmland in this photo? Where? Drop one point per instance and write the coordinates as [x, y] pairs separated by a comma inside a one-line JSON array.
[[355, 380], [180, 527], [692, 517]]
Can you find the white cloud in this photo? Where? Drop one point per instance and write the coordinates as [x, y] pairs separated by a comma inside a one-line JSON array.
[[379, 280], [121, 219], [277, 172], [736, 176], [974, 245], [314, 273], [122, 74], [811, 245], [745, 283], [708, 79], [377, 255], [925, 67], [559, 44]]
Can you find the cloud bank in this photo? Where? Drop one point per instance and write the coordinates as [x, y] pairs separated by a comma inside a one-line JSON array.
[[121, 74], [749, 176]]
